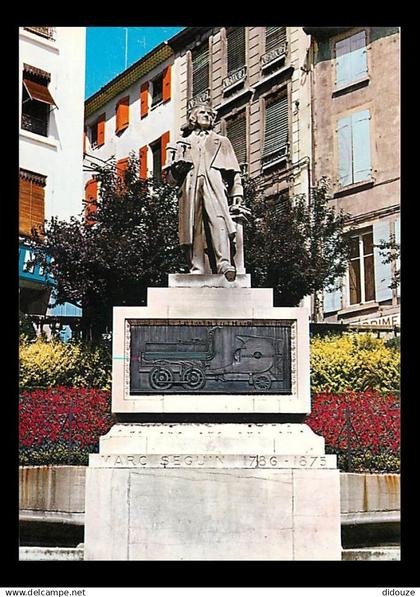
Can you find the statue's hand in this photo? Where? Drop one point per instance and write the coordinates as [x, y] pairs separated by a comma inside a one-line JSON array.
[[239, 212]]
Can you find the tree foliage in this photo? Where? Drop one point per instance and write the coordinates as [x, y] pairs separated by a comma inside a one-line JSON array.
[[294, 246]]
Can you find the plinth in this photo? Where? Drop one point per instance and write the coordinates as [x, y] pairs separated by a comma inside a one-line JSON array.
[[234, 489]]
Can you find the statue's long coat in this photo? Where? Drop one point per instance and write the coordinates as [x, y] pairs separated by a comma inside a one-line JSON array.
[[220, 163]]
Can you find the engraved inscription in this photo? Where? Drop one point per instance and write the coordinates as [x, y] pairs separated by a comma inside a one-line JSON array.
[[223, 357]]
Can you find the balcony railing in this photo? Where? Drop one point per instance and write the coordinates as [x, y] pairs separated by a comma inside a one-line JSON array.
[[274, 56], [47, 32], [35, 125], [200, 98], [275, 157], [234, 78]]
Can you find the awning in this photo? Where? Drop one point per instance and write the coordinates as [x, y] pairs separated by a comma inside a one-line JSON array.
[[38, 92]]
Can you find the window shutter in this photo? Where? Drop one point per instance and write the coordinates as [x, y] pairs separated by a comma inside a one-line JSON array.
[[361, 146], [276, 125], [358, 55], [31, 206], [164, 140], [143, 162], [144, 99], [236, 48], [343, 62], [200, 68], [332, 298], [166, 92], [398, 240], [101, 129], [91, 195], [274, 37], [122, 115], [122, 166], [344, 151], [383, 272], [236, 133]]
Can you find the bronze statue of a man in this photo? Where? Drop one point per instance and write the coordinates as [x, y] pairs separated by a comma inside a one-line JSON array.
[[204, 167]]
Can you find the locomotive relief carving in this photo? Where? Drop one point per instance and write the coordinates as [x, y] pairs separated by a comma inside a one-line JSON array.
[[227, 357]]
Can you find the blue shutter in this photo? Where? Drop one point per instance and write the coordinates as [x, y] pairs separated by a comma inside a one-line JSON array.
[[358, 56], [361, 146], [343, 71], [332, 298], [397, 240], [383, 272], [344, 151]]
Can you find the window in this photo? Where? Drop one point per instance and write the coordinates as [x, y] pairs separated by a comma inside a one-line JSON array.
[[97, 132], [157, 159], [200, 68], [274, 38], [122, 114], [31, 201], [236, 133], [36, 101], [276, 131], [157, 93], [351, 59], [361, 269], [235, 49], [354, 162]]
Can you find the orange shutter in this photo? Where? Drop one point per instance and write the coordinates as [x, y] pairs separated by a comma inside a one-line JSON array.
[[91, 196], [144, 99], [31, 207], [101, 129], [143, 162], [166, 91], [164, 140], [122, 114], [122, 166]]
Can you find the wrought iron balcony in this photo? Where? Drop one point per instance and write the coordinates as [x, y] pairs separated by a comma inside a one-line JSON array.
[[234, 78], [273, 56], [47, 32], [199, 98], [275, 157], [35, 124]]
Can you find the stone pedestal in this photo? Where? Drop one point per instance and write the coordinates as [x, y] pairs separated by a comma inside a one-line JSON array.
[[212, 492], [221, 491]]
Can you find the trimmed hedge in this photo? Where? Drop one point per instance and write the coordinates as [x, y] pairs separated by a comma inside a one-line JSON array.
[[55, 363], [354, 362]]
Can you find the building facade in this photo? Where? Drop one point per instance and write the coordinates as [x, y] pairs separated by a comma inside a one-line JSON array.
[[356, 145], [51, 97]]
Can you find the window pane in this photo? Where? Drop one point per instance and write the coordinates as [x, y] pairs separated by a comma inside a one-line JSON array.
[[354, 247], [369, 279], [157, 90], [368, 243], [354, 282], [157, 161]]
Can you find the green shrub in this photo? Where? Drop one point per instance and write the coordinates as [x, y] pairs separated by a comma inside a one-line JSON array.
[[55, 363], [356, 362]]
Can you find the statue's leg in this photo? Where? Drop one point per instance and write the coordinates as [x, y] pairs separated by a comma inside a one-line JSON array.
[[197, 258]]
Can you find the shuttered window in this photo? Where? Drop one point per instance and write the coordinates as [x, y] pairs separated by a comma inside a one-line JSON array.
[[122, 114], [31, 205], [274, 37], [236, 133], [235, 49], [351, 59], [276, 126], [354, 159], [362, 270], [200, 68]]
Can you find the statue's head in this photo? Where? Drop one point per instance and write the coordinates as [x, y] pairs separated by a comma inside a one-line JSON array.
[[202, 116]]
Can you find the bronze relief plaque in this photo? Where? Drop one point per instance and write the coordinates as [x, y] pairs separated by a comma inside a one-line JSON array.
[[210, 357]]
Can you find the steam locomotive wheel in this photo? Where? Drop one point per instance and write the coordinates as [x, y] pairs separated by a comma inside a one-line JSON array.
[[262, 382], [193, 378], [161, 378]]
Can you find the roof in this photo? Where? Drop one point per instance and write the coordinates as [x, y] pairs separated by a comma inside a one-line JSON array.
[[122, 81]]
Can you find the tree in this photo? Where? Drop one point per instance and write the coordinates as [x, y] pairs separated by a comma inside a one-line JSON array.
[[128, 242], [294, 246]]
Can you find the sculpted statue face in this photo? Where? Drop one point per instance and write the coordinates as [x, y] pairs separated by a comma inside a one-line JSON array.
[[202, 117]]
